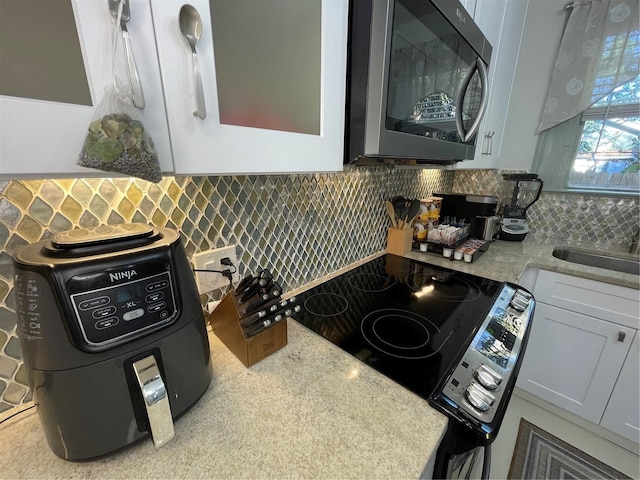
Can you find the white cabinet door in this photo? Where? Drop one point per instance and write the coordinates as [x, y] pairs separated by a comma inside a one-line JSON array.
[[247, 130], [572, 360], [43, 138], [502, 22], [622, 414]]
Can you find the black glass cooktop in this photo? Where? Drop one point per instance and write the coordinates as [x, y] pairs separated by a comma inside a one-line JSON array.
[[407, 319]]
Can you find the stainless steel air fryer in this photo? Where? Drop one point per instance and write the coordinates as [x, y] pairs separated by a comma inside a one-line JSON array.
[[112, 334]]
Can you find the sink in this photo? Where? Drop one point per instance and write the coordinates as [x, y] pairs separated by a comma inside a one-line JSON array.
[[618, 263]]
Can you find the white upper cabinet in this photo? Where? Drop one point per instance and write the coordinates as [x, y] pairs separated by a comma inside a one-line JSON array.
[[46, 102], [502, 22], [273, 84], [273, 81]]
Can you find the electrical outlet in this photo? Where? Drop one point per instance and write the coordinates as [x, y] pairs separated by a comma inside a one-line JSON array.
[[210, 260]]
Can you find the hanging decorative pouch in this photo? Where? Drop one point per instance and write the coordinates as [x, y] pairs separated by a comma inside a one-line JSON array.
[[117, 140]]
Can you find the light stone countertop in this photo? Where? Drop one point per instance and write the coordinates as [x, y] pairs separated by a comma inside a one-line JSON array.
[[506, 261], [307, 411]]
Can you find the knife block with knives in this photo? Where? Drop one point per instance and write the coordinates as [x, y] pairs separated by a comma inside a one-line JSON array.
[[252, 319]]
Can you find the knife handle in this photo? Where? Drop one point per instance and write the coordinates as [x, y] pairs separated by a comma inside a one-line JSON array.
[[247, 321], [266, 287], [278, 306], [263, 325], [264, 277], [275, 290], [255, 304], [250, 292], [244, 284], [285, 307]]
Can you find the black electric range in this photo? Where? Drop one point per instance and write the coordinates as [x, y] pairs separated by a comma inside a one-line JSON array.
[[452, 338]]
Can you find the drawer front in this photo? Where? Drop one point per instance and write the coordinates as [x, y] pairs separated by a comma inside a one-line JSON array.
[[597, 299]]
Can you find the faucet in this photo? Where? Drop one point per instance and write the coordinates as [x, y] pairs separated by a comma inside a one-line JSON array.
[[634, 241]]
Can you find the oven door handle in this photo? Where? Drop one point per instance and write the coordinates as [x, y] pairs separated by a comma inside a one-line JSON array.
[[479, 67]]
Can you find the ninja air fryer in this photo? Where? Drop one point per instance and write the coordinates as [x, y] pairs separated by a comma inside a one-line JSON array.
[[112, 334], [525, 191]]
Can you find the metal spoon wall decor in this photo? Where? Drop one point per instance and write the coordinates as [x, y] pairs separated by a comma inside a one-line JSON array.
[[191, 29]]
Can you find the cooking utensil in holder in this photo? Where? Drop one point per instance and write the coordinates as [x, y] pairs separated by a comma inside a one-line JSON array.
[[226, 322]]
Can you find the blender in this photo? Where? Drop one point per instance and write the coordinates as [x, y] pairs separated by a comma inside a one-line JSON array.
[[526, 189]]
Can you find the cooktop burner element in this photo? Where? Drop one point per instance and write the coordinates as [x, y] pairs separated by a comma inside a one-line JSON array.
[[443, 285], [326, 304], [450, 337], [401, 333], [371, 282]]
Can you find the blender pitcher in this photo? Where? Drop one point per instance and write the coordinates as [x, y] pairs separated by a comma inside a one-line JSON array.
[[525, 191]]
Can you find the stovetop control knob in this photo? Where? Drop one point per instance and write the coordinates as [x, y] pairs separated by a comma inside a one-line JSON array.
[[519, 302], [478, 397], [488, 378]]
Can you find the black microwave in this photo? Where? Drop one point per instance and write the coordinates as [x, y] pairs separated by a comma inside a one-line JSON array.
[[417, 82]]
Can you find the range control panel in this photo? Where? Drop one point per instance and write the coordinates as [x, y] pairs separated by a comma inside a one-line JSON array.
[[115, 305], [477, 383]]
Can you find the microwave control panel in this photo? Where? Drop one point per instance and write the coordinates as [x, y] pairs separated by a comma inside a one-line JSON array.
[[117, 305]]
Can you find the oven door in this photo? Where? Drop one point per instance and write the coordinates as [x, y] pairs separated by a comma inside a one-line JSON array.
[[459, 455], [430, 60]]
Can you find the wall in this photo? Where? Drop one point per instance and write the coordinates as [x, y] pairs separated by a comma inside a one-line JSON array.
[[299, 226], [544, 24]]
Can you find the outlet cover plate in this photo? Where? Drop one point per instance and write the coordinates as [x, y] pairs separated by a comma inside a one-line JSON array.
[[210, 260]]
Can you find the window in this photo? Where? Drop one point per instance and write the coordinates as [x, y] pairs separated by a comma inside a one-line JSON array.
[[607, 153], [597, 150], [590, 128]]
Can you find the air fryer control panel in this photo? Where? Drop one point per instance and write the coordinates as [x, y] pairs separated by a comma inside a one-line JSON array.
[[115, 305]]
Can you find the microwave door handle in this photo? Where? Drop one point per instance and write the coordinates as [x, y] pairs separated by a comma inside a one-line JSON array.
[[482, 71]]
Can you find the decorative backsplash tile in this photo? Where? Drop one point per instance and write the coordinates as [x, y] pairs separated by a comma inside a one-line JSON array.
[[577, 219], [299, 226], [572, 218]]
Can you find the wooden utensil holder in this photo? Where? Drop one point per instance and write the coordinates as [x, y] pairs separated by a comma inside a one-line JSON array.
[[224, 321], [399, 241]]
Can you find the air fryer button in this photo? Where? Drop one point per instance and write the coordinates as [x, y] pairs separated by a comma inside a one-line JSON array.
[[154, 297], [103, 312], [106, 323], [133, 314], [156, 307], [94, 302], [157, 285]]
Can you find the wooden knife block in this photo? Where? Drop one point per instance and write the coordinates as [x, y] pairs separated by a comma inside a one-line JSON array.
[[224, 321]]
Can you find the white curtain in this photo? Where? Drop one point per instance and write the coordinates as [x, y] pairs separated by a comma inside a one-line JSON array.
[[598, 52]]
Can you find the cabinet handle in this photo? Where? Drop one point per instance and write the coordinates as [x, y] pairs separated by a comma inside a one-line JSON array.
[[621, 336]]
